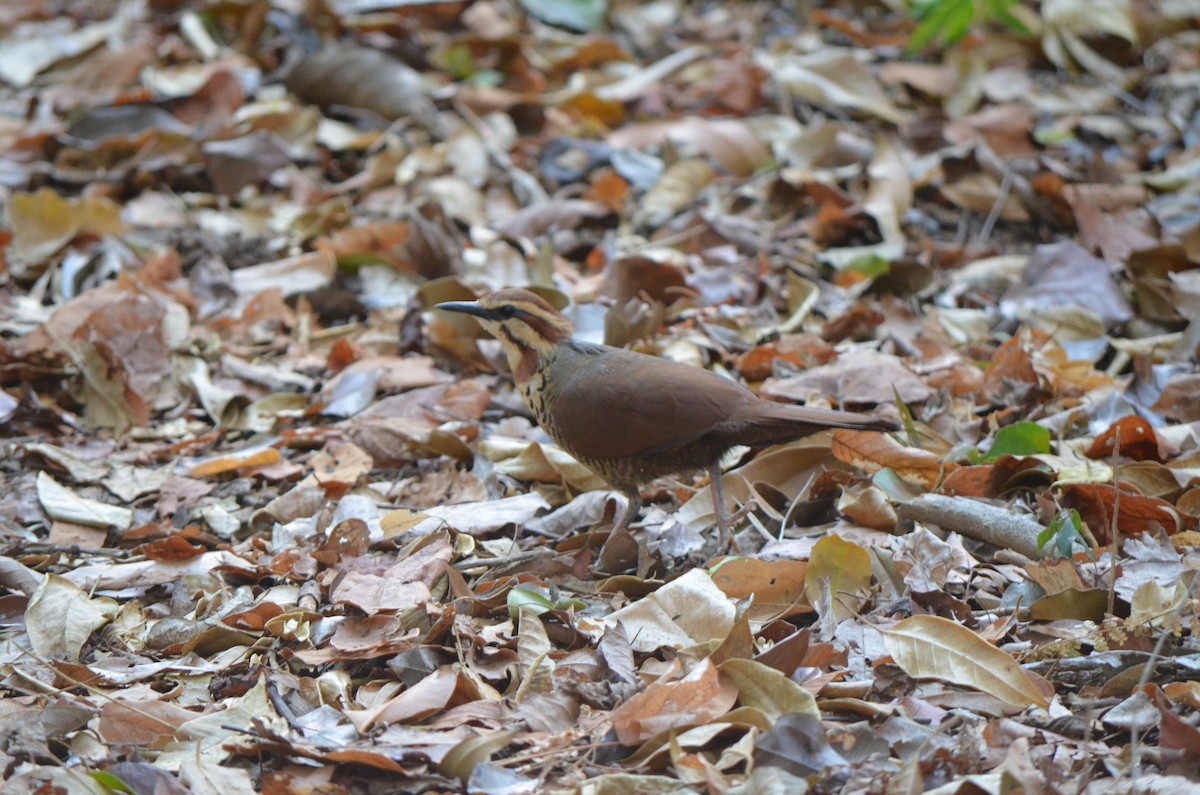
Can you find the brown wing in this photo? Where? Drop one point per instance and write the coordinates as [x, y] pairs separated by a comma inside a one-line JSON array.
[[623, 403]]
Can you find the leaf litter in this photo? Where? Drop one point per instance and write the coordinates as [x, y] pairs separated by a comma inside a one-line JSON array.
[[275, 525]]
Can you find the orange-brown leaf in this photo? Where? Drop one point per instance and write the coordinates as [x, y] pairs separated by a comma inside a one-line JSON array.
[[871, 452], [1135, 515], [1137, 439]]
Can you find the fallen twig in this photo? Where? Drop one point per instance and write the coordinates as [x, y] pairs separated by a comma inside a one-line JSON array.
[[977, 520]]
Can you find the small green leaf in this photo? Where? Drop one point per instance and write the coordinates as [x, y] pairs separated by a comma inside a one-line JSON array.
[[1064, 530], [1050, 136], [458, 61], [949, 21], [938, 18], [1001, 11], [958, 22], [871, 265], [1049, 533], [522, 596], [906, 419], [1020, 438], [352, 263], [894, 486], [487, 78], [560, 602], [111, 782]]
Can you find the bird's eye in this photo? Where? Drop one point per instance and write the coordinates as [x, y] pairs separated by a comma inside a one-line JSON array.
[[506, 312]]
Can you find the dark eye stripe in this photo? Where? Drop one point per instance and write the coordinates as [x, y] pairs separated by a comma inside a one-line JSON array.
[[508, 335]]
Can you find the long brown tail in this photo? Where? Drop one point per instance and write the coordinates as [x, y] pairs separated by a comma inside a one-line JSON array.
[[778, 422]]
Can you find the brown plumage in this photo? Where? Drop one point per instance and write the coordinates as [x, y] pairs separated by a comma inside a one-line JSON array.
[[632, 417]]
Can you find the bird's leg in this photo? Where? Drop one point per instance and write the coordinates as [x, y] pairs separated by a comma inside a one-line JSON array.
[[634, 505], [725, 541]]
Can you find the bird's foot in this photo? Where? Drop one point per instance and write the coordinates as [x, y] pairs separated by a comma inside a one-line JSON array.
[[633, 506], [726, 543]]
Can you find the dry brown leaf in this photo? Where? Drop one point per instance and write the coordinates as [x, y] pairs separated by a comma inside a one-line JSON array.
[[730, 143], [1136, 437], [777, 586], [1135, 515], [360, 77], [857, 378], [233, 463], [1180, 399], [679, 188], [439, 690], [142, 722], [671, 703], [339, 466]]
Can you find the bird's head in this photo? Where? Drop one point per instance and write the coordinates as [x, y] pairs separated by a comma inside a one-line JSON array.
[[527, 327]]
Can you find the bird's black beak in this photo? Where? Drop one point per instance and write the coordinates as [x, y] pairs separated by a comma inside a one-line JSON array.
[[466, 307]]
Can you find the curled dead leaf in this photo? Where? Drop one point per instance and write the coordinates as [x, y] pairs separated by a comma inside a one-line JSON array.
[[871, 452]]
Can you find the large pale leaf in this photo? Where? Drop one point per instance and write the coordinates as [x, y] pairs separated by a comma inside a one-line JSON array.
[[202, 777], [213, 736], [768, 690], [61, 503], [60, 618], [678, 188], [931, 647], [831, 77], [24, 56], [684, 612]]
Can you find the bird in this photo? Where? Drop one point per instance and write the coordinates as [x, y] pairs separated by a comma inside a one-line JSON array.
[[632, 417]]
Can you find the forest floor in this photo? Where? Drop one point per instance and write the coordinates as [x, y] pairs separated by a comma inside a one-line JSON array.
[[274, 524]]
